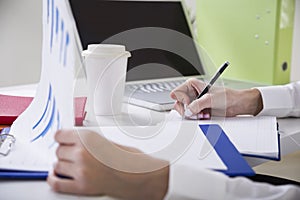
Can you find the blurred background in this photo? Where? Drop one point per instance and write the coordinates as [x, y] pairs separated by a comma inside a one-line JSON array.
[[21, 40]]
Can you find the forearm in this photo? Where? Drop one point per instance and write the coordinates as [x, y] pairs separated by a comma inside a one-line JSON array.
[[243, 102]]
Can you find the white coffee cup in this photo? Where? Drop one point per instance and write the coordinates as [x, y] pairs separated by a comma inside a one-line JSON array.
[[106, 66]]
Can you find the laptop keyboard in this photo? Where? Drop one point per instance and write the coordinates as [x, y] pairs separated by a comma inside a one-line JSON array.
[[164, 86]]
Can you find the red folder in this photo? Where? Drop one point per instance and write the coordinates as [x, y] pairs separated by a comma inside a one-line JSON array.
[[12, 106]]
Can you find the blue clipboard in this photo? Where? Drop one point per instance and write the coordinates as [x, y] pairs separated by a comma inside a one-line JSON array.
[[236, 164], [26, 175]]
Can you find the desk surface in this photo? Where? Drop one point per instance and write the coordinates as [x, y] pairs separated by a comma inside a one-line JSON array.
[[288, 167], [290, 149], [15, 190]]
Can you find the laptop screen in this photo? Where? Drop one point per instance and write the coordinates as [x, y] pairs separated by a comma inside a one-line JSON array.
[[155, 32]]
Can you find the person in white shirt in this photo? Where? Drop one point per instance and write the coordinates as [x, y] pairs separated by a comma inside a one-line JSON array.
[[89, 176]]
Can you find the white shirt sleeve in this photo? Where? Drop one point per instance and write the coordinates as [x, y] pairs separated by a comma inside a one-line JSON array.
[[281, 101], [186, 182]]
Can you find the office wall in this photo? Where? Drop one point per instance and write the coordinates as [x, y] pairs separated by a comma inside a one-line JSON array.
[[20, 41]]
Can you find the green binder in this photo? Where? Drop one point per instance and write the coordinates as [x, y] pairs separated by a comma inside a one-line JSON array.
[[255, 36]]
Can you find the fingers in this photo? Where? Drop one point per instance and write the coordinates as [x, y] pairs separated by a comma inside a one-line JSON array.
[[202, 115], [69, 173], [64, 168], [185, 94], [200, 104], [178, 106], [181, 95], [187, 91], [66, 152], [200, 108], [61, 184], [66, 137]]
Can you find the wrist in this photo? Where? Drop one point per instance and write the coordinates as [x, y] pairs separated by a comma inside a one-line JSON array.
[[253, 101]]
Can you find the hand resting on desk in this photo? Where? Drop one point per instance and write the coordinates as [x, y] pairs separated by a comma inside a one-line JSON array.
[[97, 166]]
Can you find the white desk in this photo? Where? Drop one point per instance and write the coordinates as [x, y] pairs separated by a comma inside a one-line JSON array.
[[15, 189]]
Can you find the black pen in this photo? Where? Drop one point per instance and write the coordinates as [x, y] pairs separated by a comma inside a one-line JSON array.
[[213, 79], [208, 86]]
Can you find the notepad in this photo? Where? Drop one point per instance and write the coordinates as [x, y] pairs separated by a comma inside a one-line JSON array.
[[12, 106], [255, 136]]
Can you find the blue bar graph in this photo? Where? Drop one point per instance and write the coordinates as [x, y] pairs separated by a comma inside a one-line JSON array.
[[57, 32]]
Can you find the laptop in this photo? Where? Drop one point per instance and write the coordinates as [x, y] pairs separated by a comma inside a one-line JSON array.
[[160, 38]]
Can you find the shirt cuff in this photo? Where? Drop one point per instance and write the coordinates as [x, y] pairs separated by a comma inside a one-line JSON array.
[[276, 101], [186, 182]]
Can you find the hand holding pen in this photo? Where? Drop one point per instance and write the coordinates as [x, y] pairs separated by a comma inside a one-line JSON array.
[[191, 99]]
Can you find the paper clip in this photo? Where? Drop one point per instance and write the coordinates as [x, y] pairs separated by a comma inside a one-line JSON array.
[[7, 142]]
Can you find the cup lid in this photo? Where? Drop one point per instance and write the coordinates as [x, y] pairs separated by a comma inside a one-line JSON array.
[[104, 49]]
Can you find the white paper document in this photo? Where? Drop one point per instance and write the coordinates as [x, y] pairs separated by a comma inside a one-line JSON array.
[[52, 106], [255, 136], [178, 142]]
